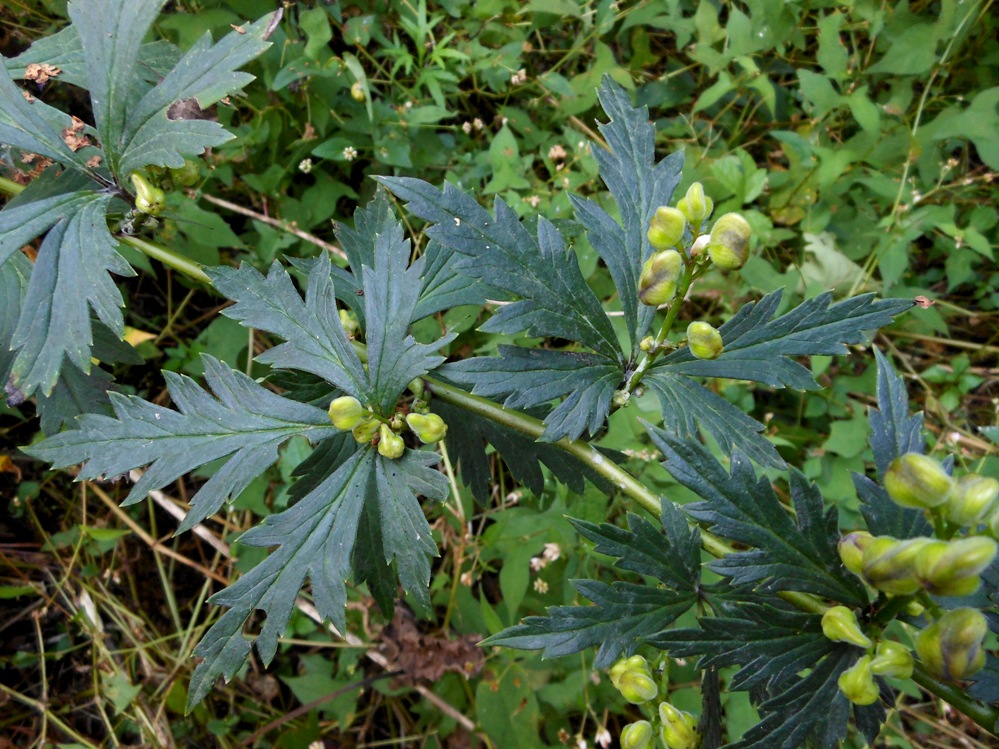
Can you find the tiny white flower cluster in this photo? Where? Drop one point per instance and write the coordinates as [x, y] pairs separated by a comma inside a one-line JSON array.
[[476, 124], [519, 77], [350, 153], [551, 553], [305, 166]]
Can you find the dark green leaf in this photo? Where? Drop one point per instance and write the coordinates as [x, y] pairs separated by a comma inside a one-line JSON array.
[[75, 393], [741, 507], [532, 377], [554, 298], [68, 280], [759, 348], [687, 405], [244, 421], [622, 616], [894, 431], [14, 275], [884, 517], [316, 538], [639, 186]]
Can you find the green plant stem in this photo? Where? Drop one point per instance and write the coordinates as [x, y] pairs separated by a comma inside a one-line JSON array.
[[984, 715], [10, 187], [168, 257]]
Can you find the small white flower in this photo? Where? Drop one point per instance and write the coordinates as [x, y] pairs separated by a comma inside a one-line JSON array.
[[556, 152], [466, 127], [581, 743], [350, 153], [538, 564], [519, 77], [478, 124], [466, 579], [603, 738], [540, 585], [317, 744], [533, 200], [552, 552], [305, 166]]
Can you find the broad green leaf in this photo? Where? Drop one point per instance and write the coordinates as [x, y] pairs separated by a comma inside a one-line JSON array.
[[317, 538], [687, 405], [69, 279], [639, 186], [14, 275], [534, 377], [554, 299], [976, 123], [314, 339], [787, 555], [244, 421], [624, 613], [111, 33], [759, 348], [207, 73], [24, 125]]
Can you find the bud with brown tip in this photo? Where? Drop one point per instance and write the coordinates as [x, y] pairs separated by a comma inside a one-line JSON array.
[[917, 481], [658, 281], [729, 245], [951, 647]]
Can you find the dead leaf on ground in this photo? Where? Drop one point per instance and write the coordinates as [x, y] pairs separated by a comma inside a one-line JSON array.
[[40, 72], [423, 656]]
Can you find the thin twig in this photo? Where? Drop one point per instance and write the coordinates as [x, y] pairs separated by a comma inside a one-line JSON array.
[[277, 224]]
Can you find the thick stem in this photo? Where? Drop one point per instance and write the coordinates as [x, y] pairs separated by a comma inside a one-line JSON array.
[[984, 715], [10, 187], [168, 257]]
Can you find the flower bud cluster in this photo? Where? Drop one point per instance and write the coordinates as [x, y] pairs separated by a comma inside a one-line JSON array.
[[633, 680], [347, 414], [918, 481]]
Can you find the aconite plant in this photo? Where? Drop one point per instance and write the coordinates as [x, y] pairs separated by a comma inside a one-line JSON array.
[[820, 627]]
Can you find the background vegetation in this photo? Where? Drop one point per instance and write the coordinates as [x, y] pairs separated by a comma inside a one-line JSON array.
[[859, 138]]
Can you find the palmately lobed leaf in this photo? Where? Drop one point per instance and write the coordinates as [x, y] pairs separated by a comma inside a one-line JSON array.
[[243, 421]]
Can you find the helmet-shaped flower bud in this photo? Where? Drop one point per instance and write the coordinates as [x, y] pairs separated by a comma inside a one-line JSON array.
[[857, 683], [888, 564], [666, 228], [148, 199], [365, 429], [428, 427], [390, 444], [704, 340], [953, 568], [660, 274], [892, 659], [917, 481], [839, 624], [638, 735], [637, 686], [695, 205], [951, 647], [679, 727], [729, 245], [346, 412], [357, 91], [186, 174], [851, 550], [349, 322], [972, 499]]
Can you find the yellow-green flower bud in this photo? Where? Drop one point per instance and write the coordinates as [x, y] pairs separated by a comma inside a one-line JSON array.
[[839, 624], [888, 564], [390, 444], [914, 608], [346, 412], [660, 274], [892, 659], [704, 340], [185, 175], [972, 499], [918, 481], [637, 686], [951, 647], [666, 228], [638, 735], [857, 683], [851, 550], [148, 199], [952, 568], [365, 430], [729, 245], [695, 205], [416, 386], [349, 322], [679, 727], [428, 427], [622, 666], [357, 91], [647, 344]]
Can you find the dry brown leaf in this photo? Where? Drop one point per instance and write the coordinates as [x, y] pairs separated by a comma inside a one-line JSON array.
[[40, 72]]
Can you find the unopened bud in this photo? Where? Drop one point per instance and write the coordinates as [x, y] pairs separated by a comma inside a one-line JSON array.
[[620, 399], [637, 686], [185, 175], [888, 564], [666, 228], [857, 683], [679, 727], [416, 386], [951, 647], [917, 481], [695, 205], [952, 568], [357, 91], [349, 323], [346, 412], [839, 624], [148, 199], [704, 340], [621, 667], [428, 427], [851, 550], [892, 659], [729, 245], [972, 499], [365, 430], [390, 444], [647, 344], [660, 274], [638, 735]]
